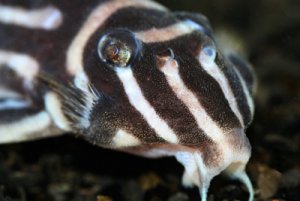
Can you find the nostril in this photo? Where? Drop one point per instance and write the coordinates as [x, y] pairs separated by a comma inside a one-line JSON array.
[[166, 53], [172, 55], [165, 56]]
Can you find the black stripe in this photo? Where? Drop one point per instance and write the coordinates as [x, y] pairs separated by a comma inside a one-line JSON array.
[[65, 5], [14, 115], [157, 91], [237, 89], [10, 80], [209, 93], [24, 40], [245, 70], [139, 19], [27, 4], [107, 118]]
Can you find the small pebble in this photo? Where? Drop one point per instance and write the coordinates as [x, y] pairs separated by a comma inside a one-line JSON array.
[[268, 181], [149, 181], [104, 198]]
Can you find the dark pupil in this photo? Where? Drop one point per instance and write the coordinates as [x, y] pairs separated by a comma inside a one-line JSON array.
[[117, 53], [112, 51]]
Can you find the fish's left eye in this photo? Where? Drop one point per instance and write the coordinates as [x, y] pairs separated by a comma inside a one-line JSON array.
[[119, 48]]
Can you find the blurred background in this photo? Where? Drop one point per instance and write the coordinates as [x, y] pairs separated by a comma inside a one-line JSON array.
[[267, 32]]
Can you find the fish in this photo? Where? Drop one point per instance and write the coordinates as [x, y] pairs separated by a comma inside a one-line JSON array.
[[127, 75]]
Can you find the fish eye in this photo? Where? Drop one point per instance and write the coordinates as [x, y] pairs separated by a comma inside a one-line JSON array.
[[208, 55], [119, 48]]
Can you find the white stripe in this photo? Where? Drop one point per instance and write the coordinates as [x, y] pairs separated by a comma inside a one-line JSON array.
[[168, 33], [246, 91], [137, 99], [204, 121], [25, 128], [207, 61], [13, 104], [48, 18], [24, 65], [93, 22], [8, 94], [125, 139], [54, 108]]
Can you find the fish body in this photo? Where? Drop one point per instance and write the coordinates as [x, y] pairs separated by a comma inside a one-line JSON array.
[[128, 75]]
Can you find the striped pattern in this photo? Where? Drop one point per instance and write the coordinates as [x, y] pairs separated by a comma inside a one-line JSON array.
[[179, 97]]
